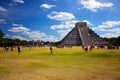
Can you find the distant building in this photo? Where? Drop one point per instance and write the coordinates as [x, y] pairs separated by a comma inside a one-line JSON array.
[[37, 43], [82, 35]]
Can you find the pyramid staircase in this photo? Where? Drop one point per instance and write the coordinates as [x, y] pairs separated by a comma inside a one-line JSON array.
[[82, 35]]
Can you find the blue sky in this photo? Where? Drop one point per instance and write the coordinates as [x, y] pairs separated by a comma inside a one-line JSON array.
[[51, 20]]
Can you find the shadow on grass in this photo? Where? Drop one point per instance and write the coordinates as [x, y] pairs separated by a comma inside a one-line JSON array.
[[34, 65], [83, 53], [100, 55], [103, 55], [6, 69], [63, 54]]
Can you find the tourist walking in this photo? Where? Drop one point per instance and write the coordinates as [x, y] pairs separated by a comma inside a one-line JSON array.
[[86, 48], [11, 48], [19, 50], [51, 49], [6, 48]]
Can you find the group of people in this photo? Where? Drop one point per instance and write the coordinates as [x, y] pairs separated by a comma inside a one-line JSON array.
[[86, 48], [11, 48], [90, 48], [19, 49]]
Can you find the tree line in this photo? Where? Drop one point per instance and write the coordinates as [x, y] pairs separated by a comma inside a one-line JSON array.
[[10, 42], [113, 41], [15, 42]]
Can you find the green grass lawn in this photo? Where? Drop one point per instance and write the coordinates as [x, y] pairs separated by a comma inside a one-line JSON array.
[[64, 64]]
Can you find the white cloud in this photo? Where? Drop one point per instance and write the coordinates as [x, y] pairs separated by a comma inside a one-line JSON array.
[[3, 9], [6, 36], [94, 5], [33, 35], [17, 25], [109, 24], [61, 16], [114, 30], [108, 29], [11, 4], [46, 6], [68, 24], [18, 29], [50, 38], [18, 1], [111, 30], [2, 21], [63, 33], [36, 35], [18, 37], [63, 25], [110, 35]]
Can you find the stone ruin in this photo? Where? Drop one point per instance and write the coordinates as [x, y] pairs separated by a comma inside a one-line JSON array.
[[82, 35], [36, 43]]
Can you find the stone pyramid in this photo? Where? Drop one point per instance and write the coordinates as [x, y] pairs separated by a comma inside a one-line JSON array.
[[82, 35]]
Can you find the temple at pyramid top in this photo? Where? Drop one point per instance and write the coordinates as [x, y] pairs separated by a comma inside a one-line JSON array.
[[81, 24], [82, 35]]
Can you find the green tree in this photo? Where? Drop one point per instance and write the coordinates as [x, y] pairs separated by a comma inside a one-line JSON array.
[[1, 38], [1, 34], [118, 41], [113, 41]]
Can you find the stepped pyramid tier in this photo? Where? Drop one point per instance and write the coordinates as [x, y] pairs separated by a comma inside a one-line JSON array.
[[82, 35]]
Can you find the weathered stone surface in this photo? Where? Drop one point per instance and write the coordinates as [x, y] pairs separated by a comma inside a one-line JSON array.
[[82, 35]]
